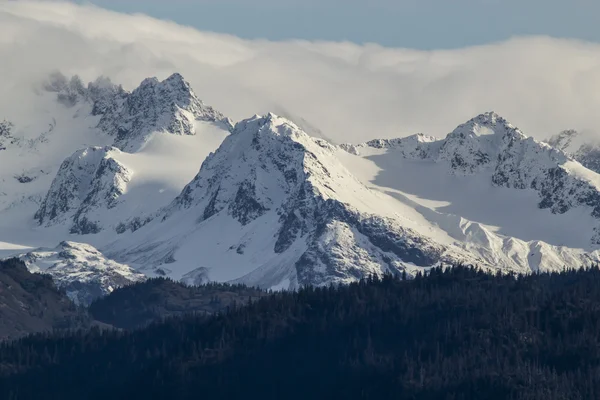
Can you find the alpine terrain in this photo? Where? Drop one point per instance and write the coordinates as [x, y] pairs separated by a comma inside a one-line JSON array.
[[101, 187]]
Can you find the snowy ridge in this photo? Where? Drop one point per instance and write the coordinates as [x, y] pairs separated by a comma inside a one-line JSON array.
[[81, 270], [418, 146]]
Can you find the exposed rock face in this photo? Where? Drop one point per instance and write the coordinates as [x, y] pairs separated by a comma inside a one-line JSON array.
[[87, 184], [81, 270], [168, 106]]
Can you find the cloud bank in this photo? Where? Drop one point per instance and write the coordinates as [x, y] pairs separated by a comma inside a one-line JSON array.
[[346, 91]]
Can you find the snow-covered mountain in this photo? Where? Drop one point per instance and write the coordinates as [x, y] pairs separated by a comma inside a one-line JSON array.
[[81, 270], [87, 182], [490, 147], [169, 106], [271, 205], [274, 207], [61, 175]]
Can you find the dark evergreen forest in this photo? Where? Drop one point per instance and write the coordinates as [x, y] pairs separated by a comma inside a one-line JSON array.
[[454, 334]]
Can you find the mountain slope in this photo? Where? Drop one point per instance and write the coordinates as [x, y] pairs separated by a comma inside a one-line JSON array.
[[480, 157], [274, 207], [32, 303]]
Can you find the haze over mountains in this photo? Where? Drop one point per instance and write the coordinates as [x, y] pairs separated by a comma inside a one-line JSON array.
[[154, 182]]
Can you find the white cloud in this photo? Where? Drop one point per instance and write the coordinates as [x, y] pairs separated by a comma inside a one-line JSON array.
[[349, 92]]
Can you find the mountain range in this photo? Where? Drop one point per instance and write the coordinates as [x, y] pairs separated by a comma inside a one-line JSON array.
[[101, 187]]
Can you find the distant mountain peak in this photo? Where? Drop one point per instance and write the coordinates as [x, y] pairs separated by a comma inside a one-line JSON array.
[[81, 270], [157, 106], [169, 106], [486, 124]]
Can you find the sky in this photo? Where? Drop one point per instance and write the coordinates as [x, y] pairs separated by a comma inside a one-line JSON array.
[[343, 90], [419, 24]]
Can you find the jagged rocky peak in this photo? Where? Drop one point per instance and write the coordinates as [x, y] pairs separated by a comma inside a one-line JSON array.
[[476, 144], [87, 183], [488, 123], [81, 270], [155, 106], [263, 154], [168, 106], [489, 143]]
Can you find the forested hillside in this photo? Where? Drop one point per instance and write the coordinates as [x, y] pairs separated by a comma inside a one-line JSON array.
[[138, 305], [32, 303], [455, 334]]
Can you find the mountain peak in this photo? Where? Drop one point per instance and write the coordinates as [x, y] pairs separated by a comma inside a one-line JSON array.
[[81, 270], [176, 78], [489, 118], [169, 106], [474, 145], [89, 179], [486, 124]]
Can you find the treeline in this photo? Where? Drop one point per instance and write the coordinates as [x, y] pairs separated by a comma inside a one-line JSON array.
[[454, 334]]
